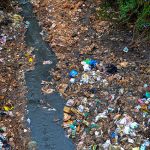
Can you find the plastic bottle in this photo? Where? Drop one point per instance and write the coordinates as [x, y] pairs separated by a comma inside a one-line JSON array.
[[73, 134], [73, 73], [86, 122]]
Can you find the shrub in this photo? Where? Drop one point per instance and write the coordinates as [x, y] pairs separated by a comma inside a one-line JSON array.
[[136, 12]]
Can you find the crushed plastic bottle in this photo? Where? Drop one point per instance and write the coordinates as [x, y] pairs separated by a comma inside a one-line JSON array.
[[145, 144], [73, 73], [126, 49], [85, 78], [147, 94], [89, 64], [72, 80]]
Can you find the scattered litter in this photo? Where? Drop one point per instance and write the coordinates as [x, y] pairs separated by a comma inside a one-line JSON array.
[[73, 73], [29, 121], [51, 109], [27, 23], [126, 49], [47, 90], [13, 63], [47, 62]]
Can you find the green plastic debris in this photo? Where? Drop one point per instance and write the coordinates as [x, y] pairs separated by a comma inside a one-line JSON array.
[[73, 135], [86, 114], [94, 126], [94, 147], [147, 94], [87, 61]]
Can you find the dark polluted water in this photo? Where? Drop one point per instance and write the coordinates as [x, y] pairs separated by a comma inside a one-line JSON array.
[[48, 134]]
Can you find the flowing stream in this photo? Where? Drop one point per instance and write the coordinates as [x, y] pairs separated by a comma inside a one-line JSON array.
[[48, 134]]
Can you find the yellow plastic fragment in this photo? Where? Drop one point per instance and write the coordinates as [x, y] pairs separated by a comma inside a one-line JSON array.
[[6, 108], [27, 55], [16, 17], [30, 60], [136, 148], [67, 109]]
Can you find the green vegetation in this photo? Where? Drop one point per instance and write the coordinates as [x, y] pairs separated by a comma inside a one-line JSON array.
[[136, 12]]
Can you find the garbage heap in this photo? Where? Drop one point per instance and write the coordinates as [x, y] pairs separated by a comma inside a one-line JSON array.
[[105, 85], [13, 62], [98, 119]]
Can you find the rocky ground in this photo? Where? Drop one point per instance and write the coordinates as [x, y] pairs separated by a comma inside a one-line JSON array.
[[103, 77], [15, 58]]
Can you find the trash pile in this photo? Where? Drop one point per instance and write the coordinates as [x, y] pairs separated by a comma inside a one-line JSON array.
[[3, 141], [105, 85], [100, 122], [13, 63]]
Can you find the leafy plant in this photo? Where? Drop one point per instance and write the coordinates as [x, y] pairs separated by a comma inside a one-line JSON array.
[[139, 11], [136, 12], [105, 11], [143, 20], [127, 9]]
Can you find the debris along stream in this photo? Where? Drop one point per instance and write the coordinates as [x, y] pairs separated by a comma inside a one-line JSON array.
[[107, 92], [45, 123]]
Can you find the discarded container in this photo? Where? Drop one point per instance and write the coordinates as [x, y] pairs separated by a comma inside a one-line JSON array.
[[30, 59], [147, 94], [86, 67], [127, 130], [27, 23], [1, 144], [7, 146], [136, 148], [75, 111], [16, 18], [87, 61], [93, 125], [66, 124], [72, 80], [85, 78], [106, 144], [143, 147], [114, 137], [93, 63], [81, 108], [73, 127], [67, 109], [134, 125], [85, 122], [73, 134], [8, 107], [89, 64], [126, 49], [70, 102], [47, 62], [66, 117], [73, 73]]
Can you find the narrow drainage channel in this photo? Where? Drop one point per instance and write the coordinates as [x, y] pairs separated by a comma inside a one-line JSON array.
[[48, 134]]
